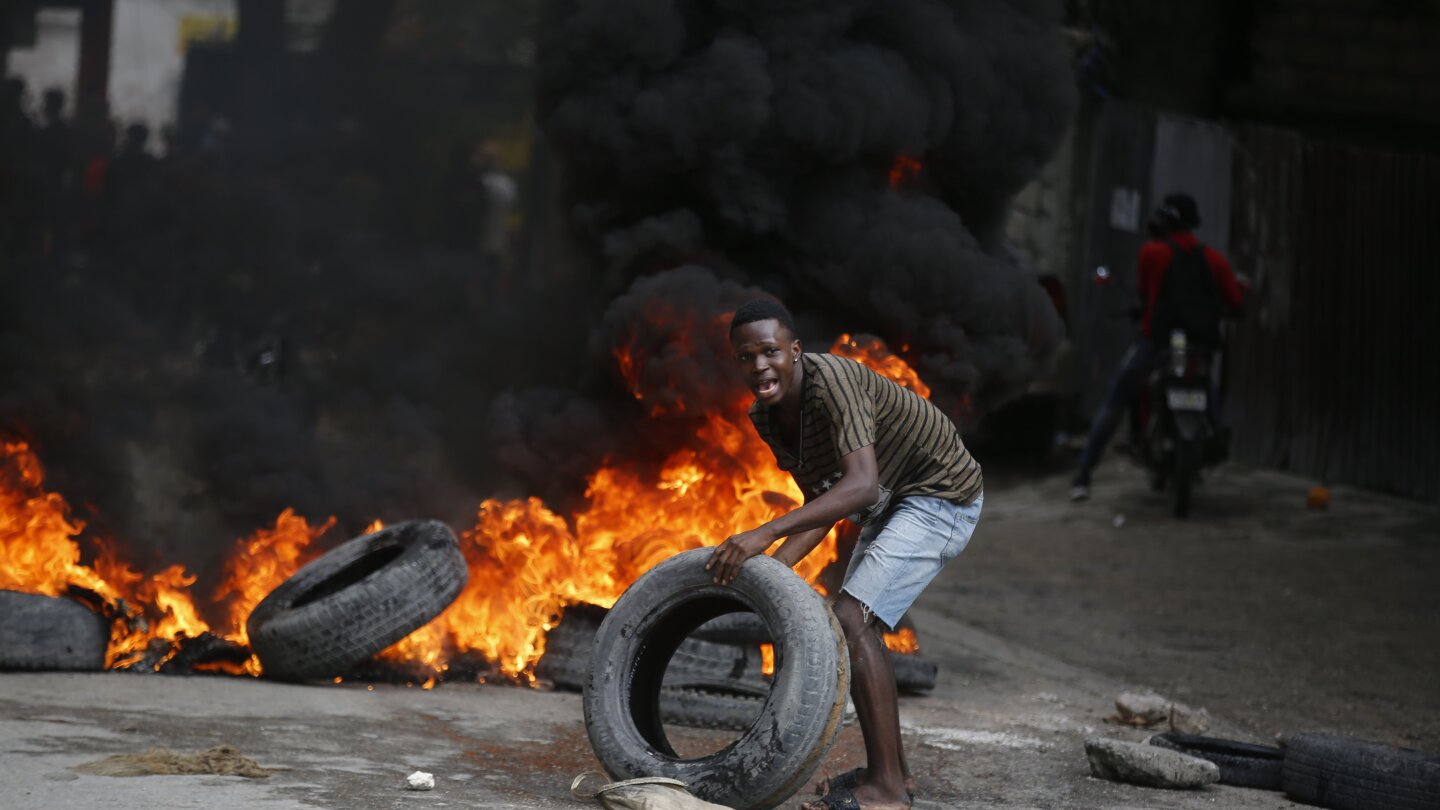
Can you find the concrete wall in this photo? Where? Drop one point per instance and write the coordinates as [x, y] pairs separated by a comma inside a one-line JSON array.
[[1042, 224], [147, 58]]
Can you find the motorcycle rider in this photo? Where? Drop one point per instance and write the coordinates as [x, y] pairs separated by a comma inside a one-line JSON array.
[[1171, 251]]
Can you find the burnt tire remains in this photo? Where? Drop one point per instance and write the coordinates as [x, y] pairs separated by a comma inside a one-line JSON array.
[[356, 600], [566, 662], [1350, 774], [914, 674], [711, 705], [775, 755], [47, 633], [1241, 764]]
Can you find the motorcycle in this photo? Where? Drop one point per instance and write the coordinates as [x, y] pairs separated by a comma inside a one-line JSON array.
[[1174, 432]]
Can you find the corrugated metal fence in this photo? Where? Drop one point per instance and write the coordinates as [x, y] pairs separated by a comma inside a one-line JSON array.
[[1335, 370]]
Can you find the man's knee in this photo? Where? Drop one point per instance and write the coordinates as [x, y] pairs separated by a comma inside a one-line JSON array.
[[854, 617]]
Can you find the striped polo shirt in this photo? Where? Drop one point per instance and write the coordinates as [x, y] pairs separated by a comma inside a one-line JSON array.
[[845, 406]]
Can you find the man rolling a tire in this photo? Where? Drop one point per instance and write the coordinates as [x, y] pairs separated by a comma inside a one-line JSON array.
[[863, 447]]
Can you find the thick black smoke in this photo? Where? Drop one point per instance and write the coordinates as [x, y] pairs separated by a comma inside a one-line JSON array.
[[254, 345], [757, 136], [245, 337]]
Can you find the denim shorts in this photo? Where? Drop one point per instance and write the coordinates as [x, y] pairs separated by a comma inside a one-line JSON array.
[[897, 556]]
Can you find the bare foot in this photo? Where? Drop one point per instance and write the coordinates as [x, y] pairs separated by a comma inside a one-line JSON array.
[[864, 797], [852, 778]]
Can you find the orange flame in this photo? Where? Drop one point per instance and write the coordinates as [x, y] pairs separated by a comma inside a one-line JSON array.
[[873, 352], [526, 562], [259, 564], [904, 170], [902, 641], [39, 554]]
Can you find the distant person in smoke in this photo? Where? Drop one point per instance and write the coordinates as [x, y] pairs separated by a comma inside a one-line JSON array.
[[863, 447], [54, 147], [1170, 293], [496, 191]]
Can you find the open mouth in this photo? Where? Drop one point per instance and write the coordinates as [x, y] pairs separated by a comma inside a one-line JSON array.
[[766, 387]]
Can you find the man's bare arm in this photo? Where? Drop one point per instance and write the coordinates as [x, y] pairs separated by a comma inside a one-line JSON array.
[[799, 545], [858, 488]]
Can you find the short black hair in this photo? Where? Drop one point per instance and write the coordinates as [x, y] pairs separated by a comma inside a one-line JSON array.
[[762, 309]]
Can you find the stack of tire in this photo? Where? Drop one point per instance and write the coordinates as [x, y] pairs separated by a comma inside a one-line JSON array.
[[1323, 770]]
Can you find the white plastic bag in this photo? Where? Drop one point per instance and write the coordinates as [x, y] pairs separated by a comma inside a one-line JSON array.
[[648, 793]]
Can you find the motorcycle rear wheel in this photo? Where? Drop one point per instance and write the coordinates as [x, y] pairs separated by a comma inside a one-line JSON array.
[[1187, 455]]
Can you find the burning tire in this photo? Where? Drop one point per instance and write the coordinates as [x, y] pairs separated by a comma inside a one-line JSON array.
[[357, 600], [914, 674], [735, 628], [777, 753], [566, 662], [45, 633], [724, 705]]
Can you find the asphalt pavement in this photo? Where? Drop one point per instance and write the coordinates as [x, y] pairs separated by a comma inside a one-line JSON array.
[[1048, 616]]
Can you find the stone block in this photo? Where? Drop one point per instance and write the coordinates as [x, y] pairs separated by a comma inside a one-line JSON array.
[[1148, 765], [1141, 708]]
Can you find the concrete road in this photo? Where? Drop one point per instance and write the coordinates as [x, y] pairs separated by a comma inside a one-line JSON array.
[[1272, 617]]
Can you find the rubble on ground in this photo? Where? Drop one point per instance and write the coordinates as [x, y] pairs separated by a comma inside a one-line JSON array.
[[1145, 709]]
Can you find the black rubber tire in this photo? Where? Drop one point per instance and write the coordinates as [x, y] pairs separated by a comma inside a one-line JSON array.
[[776, 755], [711, 705], [914, 674], [47, 633], [356, 600], [1241, 764], [1348, 774], [566, 662], [1183, 477], [735, 628]]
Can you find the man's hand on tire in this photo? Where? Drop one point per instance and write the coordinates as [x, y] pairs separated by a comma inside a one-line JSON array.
[[727, 558]]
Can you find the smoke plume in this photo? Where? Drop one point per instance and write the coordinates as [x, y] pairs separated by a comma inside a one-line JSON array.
[[757, 138]]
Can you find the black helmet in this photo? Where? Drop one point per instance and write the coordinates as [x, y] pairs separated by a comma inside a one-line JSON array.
[[1178, 210]]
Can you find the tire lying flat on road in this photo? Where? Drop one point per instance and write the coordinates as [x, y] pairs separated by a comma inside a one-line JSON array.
[[1350, 774], [1241, 764], [45, 633], [356, 600], [777, 754]]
